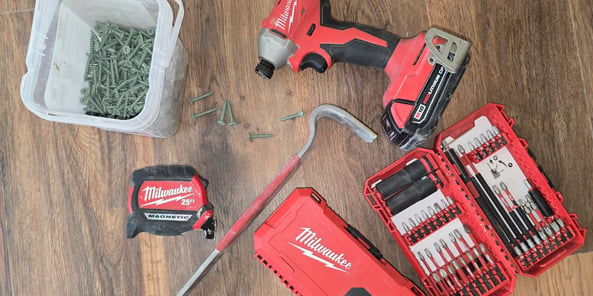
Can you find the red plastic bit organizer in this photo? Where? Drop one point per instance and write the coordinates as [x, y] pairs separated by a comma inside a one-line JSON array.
[[314, 252], [476, 210]]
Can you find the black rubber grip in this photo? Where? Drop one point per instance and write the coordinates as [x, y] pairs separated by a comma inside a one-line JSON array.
[[411, 195], [540, 202], [401, 178], [356, 51]]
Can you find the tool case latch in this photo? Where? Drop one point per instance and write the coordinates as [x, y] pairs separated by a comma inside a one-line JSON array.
[[372, 249]]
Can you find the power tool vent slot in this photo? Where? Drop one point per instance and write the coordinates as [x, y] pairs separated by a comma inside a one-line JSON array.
[[286, 282]]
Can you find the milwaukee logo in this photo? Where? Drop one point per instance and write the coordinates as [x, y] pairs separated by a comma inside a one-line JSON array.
[[312, 247], [152, 192], [287, 16], [166, 217]]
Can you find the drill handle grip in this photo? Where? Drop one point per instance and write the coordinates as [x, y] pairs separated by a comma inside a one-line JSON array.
[[366, 46]]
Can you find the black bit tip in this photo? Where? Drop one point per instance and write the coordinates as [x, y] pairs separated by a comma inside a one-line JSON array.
[[265, 69]]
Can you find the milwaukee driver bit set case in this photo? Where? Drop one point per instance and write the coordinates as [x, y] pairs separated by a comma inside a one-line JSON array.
[[476, 210], [314, 252]]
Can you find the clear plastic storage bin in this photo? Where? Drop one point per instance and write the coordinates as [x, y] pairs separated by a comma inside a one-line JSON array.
[[56, 62]]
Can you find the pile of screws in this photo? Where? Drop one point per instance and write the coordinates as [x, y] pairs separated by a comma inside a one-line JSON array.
[[117, 71], [226, 109]]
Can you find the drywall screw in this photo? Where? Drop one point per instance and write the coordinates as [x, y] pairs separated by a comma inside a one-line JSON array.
[[200, 97], [120, 101], [125, 49], [140, 60], [203, 113], [231, 115], [251, 136], [130, 34], [132, 54], [300, 114], [115, 69], [125, 83], [221, 120], [112, 67]]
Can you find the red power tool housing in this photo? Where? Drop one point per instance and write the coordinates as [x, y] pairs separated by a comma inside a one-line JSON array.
[[314, 252], [424, 70]]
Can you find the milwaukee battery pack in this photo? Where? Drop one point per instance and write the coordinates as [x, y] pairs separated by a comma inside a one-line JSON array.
[[314, 252], [476, 210]]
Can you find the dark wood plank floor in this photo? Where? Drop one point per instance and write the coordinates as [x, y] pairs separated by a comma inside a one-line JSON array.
[[64, 187]]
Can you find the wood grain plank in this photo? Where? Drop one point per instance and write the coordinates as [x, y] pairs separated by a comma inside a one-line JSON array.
[[581, 14], [70, 238], [570, 277], [10, 6], [63, 194], [5, 280], [543, 93]]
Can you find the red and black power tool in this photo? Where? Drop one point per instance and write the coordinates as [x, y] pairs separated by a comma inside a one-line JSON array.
[[169, 200], [424, 70]]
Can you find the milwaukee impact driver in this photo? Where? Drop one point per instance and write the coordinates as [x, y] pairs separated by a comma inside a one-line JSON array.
[[424, 70]]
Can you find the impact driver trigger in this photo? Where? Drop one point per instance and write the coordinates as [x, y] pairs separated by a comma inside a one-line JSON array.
[[313, 61]]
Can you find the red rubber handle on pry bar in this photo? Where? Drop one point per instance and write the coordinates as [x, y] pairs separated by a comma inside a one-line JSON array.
[[258, 204]]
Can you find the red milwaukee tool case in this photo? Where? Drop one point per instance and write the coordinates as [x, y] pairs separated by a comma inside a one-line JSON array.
[[476, 210], [314, 252]]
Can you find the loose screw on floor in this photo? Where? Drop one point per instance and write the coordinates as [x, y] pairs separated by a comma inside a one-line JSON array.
[[221, 120], [300, 114], [231, 114], [254, 136], [197, 115], [201, 97]]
